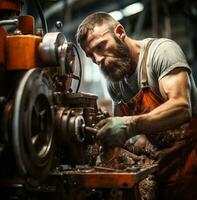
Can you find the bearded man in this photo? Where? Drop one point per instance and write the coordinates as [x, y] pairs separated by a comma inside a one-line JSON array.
[[152, 86]]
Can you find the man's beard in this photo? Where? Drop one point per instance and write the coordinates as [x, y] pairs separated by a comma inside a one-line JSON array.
[[118, 66]]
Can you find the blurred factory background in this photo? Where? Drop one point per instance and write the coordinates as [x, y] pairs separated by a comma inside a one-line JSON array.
[[175, 19]]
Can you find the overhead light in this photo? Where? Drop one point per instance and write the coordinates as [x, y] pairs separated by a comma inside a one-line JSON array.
[[127, 11], [133, 9], [117, 15]]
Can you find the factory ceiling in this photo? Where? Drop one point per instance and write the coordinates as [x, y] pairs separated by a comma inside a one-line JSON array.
[[155, 12], [158, 18]]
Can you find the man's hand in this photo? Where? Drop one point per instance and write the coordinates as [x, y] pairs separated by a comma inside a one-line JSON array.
[[114, 131]]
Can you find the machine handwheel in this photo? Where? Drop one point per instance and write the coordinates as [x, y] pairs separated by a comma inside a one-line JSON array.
[[33, 125]]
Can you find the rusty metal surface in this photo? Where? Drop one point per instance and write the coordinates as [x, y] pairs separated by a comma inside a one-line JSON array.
[[3, 34], [99, 177], [21, 52]]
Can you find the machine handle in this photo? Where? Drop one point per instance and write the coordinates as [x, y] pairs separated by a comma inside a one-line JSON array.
[[91, 130]]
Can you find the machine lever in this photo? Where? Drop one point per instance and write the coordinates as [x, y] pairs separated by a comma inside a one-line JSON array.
[[90, 130]]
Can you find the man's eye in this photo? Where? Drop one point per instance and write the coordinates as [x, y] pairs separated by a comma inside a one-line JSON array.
[[100, 47]]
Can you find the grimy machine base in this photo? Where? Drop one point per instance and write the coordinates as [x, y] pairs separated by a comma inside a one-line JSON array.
[[98, 183]]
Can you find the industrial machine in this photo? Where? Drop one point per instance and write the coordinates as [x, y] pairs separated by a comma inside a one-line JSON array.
[[47, 137]]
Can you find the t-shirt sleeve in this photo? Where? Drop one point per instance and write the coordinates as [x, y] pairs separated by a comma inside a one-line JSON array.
[[167, 56]]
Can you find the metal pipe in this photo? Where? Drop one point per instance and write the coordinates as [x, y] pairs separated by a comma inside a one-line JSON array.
[[9, 22]]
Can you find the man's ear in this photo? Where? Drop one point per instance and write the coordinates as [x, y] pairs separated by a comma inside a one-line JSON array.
[[120, 32]]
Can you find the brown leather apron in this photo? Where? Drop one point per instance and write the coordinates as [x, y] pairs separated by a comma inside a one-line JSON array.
[[176, 149]]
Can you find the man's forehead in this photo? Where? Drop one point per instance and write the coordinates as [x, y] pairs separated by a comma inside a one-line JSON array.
[[96, 32], [100, 28]]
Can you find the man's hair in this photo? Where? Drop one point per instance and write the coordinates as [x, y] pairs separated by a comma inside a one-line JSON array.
[[98, 18]]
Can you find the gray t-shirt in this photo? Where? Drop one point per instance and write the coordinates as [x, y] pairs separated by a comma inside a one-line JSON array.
[[164, 55]]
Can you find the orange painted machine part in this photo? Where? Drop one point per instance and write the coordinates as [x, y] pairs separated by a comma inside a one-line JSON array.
[[3, 34], [10, 5], [22, 52], [26, 24]]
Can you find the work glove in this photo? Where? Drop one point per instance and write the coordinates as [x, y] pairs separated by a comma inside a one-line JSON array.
[[114, 131]]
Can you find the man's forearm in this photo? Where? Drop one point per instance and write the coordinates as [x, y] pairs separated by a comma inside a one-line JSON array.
[[169, 115]]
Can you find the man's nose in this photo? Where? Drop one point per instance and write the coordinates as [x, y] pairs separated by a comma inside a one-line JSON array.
[[98, 58]]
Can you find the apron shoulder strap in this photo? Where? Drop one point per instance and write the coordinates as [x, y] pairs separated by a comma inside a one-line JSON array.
[[144, 76]]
